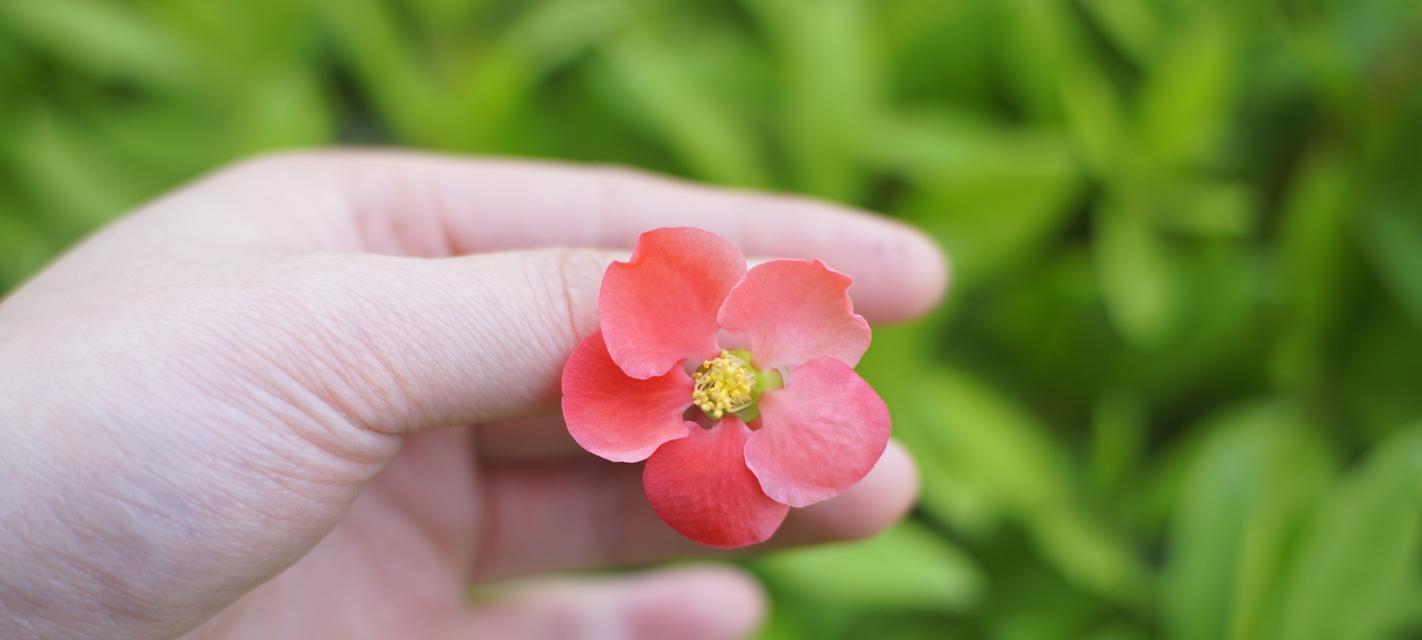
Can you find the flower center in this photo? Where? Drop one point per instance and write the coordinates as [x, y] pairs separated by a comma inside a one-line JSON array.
[[724, 384]]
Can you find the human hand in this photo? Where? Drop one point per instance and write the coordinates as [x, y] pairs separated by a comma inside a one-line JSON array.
[[223, 413]]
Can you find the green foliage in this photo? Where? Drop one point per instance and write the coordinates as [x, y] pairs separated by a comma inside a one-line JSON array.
[[1169, 393], [1246, 495], [1353, 575], [906, 568]]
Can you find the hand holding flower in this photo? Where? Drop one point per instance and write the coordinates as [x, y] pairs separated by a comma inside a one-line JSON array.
[[314, 396]]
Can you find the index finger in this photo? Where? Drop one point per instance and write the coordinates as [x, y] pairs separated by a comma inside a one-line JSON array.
[[431, 205]]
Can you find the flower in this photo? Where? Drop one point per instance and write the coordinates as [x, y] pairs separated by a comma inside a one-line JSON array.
[[736, 386]]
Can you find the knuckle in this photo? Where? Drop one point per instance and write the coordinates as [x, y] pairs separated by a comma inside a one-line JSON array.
[[579, 276], [296, 334]]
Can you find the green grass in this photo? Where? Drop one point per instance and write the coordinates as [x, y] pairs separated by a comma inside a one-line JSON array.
[[1177, 390]]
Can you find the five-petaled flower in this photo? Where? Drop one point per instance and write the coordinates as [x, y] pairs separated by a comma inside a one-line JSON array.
[[737, 387]]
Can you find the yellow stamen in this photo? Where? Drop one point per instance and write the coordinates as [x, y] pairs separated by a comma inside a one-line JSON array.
[[724, 384]]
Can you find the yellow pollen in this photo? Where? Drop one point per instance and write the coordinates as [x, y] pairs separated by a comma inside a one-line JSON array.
[[724, 384]]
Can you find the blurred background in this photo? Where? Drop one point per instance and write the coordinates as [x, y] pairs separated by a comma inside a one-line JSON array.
[[1177, 390]]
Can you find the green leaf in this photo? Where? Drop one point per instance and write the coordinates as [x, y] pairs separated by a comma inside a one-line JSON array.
[[1066, 78], [1137, 276], [1003, 448], [1392, 238], [23, 249], [400, 83], [1090, 555], [1188, 94], [831, 80], [110, 40], [1119, 427], [906, 567], [55, 160], [994, 449], [1359, 551], [1215, 209], [553, 33], [1132, 25], [286, 110], [657, 87], [992, 194], [1377, 379], [899, 368], [1315, 264], [1247, 493]]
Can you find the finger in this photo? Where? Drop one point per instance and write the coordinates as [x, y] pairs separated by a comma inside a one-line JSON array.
[[699, 603], [540, 438], [559, 516], [428, 205], [399, 345], [407, 344]]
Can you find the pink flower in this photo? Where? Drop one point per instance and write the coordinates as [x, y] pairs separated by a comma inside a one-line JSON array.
[[737, 387]]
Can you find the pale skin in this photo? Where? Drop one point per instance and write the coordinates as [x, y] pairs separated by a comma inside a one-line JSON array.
[[314, 396]]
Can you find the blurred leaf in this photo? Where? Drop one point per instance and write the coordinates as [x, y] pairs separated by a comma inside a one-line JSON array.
[[830, 77], [52, 158], [1187, 97], [911, 32], [975, 178], [1119, 428], [233, 45], [284, 111], [905, 567], [655, 85], [1359, 550], [786, 623], [1032, 602], [897, 367], [1215, 209], [22, 248], [162, 143], [1091, 555], [1131, 24], [554, 32], [110, 40], [395, 79], [1377, 381], [438, 15], [13, 67], [1392, 237], [1118, 632], [1137, 278], [1002, 452], [489, 95], [1062, 76], [1217, 338], [994, 443], [1314, 243], [1247, 493], [1004, 332], [1150, 508]]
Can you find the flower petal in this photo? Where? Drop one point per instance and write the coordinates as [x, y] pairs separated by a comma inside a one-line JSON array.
[[618, 417], [701, 487], [819, 435], [794, 311], [659, 308]]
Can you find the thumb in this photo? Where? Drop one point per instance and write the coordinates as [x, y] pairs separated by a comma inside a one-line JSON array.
[[401, 344]]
